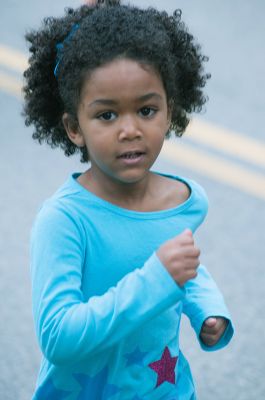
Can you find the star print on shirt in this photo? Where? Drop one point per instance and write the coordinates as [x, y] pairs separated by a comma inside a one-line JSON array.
[[135, 357], [96, 385], [49, 391], [165, 368]]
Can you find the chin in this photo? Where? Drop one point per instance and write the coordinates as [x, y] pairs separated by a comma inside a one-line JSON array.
[[132, 178]]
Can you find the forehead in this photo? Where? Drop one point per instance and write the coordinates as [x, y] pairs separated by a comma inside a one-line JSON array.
[[123, 77]]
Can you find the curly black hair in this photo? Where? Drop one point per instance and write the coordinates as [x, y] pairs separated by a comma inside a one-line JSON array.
[[91, 36]]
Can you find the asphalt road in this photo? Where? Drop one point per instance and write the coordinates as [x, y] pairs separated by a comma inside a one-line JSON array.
[[232, 239]]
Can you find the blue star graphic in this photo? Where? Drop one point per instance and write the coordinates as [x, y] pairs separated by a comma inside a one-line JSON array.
[[135, 357], [49, 391], [96, 385]]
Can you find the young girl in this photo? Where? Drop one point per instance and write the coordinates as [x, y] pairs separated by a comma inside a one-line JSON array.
[[113, 259]]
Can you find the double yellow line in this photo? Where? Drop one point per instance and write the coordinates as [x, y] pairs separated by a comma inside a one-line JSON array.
[[249, 179], [15, 61]]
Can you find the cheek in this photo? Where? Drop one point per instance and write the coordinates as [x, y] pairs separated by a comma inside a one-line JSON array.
[[161, 130], [98, 147], [158, 141]]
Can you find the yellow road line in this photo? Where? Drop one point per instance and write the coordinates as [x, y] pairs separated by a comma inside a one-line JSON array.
[[214, 167], [240, 146], [13, 59], [10, 85]]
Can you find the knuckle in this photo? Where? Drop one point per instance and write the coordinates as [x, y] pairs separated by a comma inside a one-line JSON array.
[[195, 273], [196, 252], [192, 274]]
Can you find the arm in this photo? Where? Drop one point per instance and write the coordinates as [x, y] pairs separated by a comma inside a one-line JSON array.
[[70, 329], [203, 300]]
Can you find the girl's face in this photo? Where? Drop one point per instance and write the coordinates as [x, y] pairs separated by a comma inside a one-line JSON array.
[[123, 118]]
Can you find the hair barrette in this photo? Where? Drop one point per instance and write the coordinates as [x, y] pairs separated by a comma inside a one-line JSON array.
[[60, 47]]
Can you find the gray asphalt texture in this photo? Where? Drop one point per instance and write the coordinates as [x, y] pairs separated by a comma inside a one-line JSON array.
[[231, 240]]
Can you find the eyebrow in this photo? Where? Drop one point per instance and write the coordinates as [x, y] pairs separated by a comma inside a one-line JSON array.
[[111, 102], [149, 96]]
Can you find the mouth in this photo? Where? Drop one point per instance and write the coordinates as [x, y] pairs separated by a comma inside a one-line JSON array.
[[131, 155]]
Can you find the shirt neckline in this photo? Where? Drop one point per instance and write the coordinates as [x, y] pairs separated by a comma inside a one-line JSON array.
[[134, 213]]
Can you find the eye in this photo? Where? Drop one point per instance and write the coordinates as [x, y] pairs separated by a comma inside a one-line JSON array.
[[147, 112], [107, 116]]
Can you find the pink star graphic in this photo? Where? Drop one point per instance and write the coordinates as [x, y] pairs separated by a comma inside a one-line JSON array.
[[165, 368]]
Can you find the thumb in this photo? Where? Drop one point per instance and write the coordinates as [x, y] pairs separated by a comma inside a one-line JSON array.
[[187, 231], [210, 322]]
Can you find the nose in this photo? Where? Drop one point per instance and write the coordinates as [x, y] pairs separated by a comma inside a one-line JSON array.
[[129, 128]]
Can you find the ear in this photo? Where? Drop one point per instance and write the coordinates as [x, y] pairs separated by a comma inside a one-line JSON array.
[[73, 130]]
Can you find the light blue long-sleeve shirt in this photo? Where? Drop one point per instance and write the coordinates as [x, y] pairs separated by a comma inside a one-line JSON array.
[[106, 310]]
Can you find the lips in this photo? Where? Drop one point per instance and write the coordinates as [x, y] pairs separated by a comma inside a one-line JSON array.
[[130, 155]]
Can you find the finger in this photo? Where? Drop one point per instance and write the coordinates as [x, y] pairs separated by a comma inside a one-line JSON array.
[[209, 340], [194, 252], [216, 329], [192, 257], [188, 251]]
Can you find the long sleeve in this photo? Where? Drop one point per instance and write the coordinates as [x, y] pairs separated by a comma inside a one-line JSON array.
[[69, 329], [203, 299]]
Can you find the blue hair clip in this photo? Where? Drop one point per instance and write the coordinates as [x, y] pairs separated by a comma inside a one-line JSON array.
[[60, 47]]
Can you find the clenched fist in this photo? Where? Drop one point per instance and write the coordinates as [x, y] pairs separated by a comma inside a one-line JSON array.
[[212, 330], [180, 257]]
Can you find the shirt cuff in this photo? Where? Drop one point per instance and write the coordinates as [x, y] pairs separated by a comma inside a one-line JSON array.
[[224, 339]]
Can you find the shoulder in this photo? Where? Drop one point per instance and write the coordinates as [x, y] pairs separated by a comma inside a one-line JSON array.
[[198, 192], [193, 185], [179, 190], [59, 212]]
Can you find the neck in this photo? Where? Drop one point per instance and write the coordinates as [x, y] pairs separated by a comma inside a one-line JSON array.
[[132, 195]]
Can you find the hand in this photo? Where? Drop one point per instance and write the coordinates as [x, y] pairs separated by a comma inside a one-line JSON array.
[[180, 257], [212, 330]]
